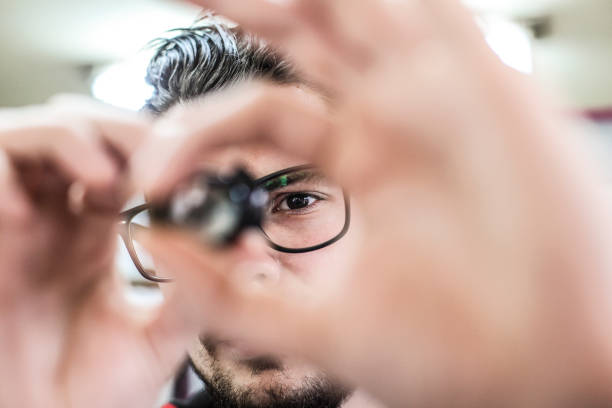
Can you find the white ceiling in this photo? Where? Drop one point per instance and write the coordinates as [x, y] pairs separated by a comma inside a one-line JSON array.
[[88, 30], [515, 7], [48, 46]]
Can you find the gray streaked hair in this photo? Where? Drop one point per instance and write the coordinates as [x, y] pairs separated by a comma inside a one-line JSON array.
[[211, 55]]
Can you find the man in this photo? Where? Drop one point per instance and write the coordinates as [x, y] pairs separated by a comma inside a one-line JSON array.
[[199, 61], [478, 264], [465, 178]]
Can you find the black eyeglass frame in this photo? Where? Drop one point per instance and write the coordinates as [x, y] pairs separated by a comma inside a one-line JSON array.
[[126, 217]]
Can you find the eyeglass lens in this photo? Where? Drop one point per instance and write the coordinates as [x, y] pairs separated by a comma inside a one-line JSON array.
[[304, 209]]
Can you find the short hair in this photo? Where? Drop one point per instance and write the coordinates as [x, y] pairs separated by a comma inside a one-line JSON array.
[[209, 56]]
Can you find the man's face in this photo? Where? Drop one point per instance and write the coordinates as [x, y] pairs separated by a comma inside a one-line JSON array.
[[236, 375]]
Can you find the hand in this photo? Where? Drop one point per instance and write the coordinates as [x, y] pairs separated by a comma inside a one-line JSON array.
[[484, 274], [68, 337]]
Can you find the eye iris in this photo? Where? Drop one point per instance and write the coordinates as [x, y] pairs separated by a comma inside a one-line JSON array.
[[298, 201]]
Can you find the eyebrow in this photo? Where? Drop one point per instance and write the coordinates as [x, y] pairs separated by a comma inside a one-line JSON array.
[[285, 180]]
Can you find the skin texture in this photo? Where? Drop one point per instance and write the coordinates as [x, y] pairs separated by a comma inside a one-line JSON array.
[[486, 227], [482, 280], [65, 327], [226, 360]]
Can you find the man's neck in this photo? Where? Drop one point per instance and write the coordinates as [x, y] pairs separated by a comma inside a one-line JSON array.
[[359, 399]]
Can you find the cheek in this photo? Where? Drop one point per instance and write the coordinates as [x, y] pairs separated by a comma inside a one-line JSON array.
[[332, 262], [311, 266]]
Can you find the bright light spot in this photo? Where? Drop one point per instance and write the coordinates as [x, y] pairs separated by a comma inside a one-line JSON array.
[[510, 41], [123, 84]]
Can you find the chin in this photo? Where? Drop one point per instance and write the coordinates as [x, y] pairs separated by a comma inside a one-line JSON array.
[[263, 372], [234, 373]]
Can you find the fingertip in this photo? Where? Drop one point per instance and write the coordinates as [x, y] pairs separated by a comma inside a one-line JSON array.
[[101, 175], [149, 167], [252, 243], [86, 162], [160, 240]]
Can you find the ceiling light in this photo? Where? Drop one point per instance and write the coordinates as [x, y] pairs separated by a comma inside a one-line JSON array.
[[123, 84], [510, 41]]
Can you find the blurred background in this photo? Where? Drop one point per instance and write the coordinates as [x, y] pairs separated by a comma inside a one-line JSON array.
[[50, 46], [95, 47]]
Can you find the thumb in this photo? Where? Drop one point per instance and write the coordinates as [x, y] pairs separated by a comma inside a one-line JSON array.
[[207, 296]]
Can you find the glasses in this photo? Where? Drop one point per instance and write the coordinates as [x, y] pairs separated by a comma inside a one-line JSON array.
[[305, 212]]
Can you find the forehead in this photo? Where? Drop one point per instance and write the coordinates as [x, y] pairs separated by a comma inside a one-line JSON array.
[[259, 159]]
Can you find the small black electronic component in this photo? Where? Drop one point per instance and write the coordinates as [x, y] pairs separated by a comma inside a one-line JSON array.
[[217, 208]]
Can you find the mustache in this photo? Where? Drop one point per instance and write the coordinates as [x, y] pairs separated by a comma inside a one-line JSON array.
[[260, 364], [257, 365]]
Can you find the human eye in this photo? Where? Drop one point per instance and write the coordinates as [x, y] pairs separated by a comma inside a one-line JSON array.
[[298, 202]]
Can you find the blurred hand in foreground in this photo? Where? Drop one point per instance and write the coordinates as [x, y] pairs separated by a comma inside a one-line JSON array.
[[484, 278], [68, 338]]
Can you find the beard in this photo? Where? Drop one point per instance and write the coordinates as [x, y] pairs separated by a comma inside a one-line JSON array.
[[314, 391]]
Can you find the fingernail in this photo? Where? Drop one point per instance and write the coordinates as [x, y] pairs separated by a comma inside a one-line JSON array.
[[76, 197]]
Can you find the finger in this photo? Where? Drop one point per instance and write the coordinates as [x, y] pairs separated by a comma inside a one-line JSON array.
[[353, 31], [183, 248], [334, 42], [287, 118], [124, 130], [14, 206], [179, 320], [271, 19], [336, 24], [34, 134], [282, 26], [457, 24], [121, 132], [208, 297]]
